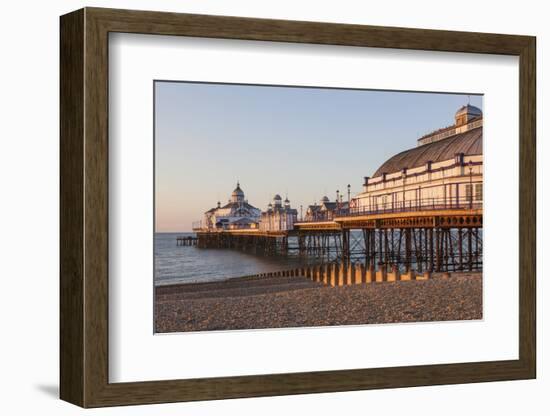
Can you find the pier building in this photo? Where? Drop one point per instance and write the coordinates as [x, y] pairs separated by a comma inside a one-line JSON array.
[[445, 169], [326, 209], [278, 217], [236, 214]]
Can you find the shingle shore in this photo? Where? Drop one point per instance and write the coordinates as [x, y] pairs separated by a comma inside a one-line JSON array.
[[297, 302]]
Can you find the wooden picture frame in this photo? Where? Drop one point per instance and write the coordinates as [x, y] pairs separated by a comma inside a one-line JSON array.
[[84, 207]]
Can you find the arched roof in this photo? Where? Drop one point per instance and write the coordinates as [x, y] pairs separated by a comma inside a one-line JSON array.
[[469, 143]]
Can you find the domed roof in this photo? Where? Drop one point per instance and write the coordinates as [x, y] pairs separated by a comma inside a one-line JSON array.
[[238, 191], [468, 109], [277, 197], [469, 143], [325, 199]]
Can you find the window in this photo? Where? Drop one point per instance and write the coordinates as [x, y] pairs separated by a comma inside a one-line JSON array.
[[479, 192], [468, 192]]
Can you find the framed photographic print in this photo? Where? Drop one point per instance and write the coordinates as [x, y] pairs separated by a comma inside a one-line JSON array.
[[255, 207]]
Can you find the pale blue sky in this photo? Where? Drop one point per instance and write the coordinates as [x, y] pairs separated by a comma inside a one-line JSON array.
[[304, 142]]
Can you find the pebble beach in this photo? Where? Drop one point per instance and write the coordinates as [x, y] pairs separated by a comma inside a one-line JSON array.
[[284, 302]]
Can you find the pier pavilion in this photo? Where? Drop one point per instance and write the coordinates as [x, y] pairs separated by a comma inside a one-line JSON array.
[[278, 217], [236, 214], [445, 169]]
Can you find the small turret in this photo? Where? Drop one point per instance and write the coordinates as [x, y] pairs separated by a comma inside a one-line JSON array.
[[465, 114], [238, 194]]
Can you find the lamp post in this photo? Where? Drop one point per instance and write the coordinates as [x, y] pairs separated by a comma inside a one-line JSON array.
[[349, 198], [403, 176], [470, 167], [301, 214]]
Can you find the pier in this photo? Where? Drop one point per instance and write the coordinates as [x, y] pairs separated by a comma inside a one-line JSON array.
[[421, 211], [434, 238]]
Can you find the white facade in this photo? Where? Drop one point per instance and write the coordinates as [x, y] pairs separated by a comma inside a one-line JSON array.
[[278, 217], [236, 214]]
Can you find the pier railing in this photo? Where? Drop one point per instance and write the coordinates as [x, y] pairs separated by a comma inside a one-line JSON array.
[[428, 204]]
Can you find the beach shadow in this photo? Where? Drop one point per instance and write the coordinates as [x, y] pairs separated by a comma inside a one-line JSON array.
[[51, 390]]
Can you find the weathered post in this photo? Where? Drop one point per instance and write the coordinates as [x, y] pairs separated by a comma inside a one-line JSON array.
[[394, 274], [351, 274], [371, 274], [363, 273], [334, 275], [382, 273], [320, 273], [342, 274], [358, 275]]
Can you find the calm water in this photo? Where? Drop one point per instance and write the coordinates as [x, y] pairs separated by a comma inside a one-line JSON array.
[[176, 264]]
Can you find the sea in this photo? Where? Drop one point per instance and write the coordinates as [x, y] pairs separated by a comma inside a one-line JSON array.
[[184, 264], [189, 264]]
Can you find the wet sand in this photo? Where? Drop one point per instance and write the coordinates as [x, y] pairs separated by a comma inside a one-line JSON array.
[[282, 302]]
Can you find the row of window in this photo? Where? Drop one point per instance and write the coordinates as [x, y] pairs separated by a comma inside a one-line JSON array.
[[478, 195]]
